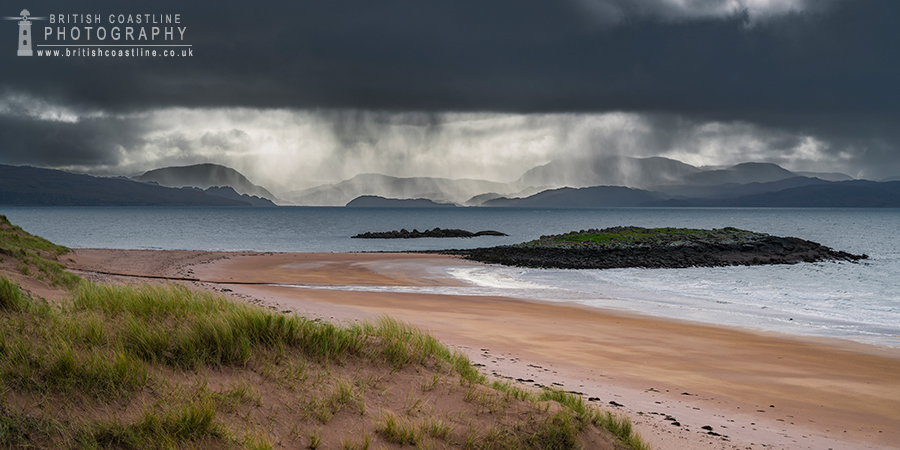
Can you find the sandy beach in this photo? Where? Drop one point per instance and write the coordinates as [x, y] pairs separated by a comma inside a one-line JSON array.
[[685, 385]]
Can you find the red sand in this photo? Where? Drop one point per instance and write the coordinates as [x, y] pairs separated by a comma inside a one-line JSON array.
[[755, 390]]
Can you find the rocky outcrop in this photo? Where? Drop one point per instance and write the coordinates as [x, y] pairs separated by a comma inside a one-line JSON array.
[[739, 248], [434, 233]]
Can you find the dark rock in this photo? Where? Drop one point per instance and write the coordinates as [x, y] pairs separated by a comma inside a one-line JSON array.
[[434, 233], [755, 249], [490, 233]]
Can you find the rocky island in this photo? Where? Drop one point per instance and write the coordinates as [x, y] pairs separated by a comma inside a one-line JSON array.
[[620, 247], [434, 233]]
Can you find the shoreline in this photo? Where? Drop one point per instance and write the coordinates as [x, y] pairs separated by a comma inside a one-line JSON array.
[[812, 392]]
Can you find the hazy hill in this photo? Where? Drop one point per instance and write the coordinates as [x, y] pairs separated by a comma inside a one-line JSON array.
[[204, 176], [35, 186], [827, 176], [372, 201], [481, 198], [732, 190], [441, 190], [608, 171], [583, 172], [229, 192], [655, 173], [589, 197], [741, 174], [844, 194], [795, 192]]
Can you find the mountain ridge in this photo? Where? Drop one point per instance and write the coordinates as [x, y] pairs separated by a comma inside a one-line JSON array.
[[33, 186], [751, 184], [658, 174], [205, 176]]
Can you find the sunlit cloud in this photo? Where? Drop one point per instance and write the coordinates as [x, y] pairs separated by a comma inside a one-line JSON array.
[[616, 11], [13, 104]]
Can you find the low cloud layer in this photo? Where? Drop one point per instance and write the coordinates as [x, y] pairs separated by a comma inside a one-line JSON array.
[[294, 149]]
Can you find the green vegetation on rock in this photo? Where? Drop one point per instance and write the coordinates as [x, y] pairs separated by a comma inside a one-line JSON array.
[[629, 236]]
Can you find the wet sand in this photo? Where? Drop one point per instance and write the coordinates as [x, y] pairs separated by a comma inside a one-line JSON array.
[[751, 390]]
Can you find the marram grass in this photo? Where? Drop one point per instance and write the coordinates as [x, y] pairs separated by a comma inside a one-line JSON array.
[[193, 421], [11, 296], [108, 341], [178, 327]]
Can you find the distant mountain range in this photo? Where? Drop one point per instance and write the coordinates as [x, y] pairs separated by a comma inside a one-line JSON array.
[[618, 181], [32, 186], [661, 175], [604, 181], [809, 192]]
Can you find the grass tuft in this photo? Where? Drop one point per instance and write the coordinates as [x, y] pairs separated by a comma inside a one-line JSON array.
[[192, 422], [315, 440], [11, 296], [396, 430], [436, 428], [559, 432]]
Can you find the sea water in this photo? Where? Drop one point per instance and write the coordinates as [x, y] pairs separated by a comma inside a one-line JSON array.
[[856, 301]]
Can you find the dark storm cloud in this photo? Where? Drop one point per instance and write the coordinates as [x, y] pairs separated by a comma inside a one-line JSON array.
[[96, 141], [801, 67], [517, 56]]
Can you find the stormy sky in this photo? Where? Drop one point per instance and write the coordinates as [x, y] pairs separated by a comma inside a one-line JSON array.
[[304, 92]]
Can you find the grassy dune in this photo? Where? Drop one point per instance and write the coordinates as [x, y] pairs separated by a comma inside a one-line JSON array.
[[34, 256], [166, 367]]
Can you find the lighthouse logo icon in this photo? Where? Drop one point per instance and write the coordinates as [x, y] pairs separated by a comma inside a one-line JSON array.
[[25, 36]]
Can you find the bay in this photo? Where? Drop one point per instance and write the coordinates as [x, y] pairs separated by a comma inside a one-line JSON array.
[[857, 301]]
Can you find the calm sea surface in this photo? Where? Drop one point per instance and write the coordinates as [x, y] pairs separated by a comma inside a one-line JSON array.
[[845, 300]]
